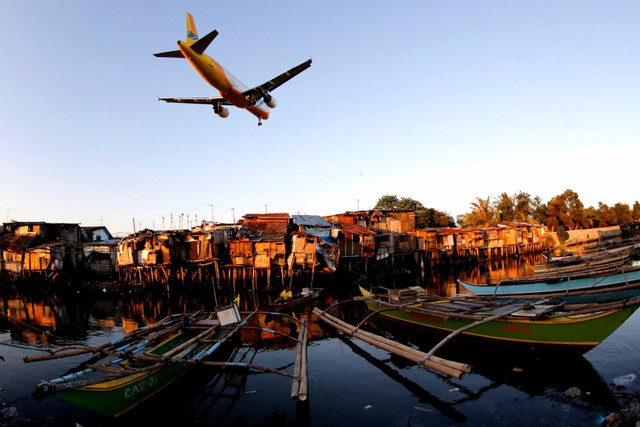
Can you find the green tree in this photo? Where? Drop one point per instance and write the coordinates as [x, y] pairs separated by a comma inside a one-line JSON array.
[[605, 216], [593, 217], [566, 210], [524, 207], [387, 203], [624, 216], [540, 211], [408, 204], [636, 211], [430, 217], [425, 217], [506, 207]]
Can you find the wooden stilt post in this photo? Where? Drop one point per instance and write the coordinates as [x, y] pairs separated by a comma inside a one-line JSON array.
[[234, 280], [217, 270]]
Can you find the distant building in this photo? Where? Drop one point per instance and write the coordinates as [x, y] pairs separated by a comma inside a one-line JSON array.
[[40, 249], [100, 251], [313, 244]]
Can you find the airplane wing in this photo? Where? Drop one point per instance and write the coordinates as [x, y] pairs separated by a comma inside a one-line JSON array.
[[259, 91], [208, 101], [170, 54]]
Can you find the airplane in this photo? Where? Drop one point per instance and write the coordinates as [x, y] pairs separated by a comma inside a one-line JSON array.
[[233, 92]]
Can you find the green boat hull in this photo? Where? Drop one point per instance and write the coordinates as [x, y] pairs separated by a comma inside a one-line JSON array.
[[126, 394], [577, 334], [115, 396]]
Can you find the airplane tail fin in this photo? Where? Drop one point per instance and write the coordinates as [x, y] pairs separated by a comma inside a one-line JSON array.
[[196, 43], [192, 32]]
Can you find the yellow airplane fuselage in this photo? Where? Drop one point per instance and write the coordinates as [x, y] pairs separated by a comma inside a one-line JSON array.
[[229, 87]]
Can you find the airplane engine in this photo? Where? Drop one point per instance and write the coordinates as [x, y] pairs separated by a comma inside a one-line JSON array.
[[223, 112], [270, 100]]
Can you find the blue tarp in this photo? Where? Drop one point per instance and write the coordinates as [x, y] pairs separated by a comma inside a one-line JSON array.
[[310, 221]]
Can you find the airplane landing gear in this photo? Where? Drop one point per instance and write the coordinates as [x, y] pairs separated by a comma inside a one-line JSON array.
[[259, 122]]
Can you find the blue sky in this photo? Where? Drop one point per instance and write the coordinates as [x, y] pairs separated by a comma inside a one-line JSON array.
[[439, 101]]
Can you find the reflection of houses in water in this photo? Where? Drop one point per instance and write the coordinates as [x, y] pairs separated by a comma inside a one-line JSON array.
[[37, 315]]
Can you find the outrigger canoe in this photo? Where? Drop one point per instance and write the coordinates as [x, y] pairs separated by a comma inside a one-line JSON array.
[[144, 362], [543, 325], [306, 296], [577, 263], [597, 283]]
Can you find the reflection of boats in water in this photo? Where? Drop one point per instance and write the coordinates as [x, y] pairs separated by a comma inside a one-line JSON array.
[[493, 369], [416, 389], [234, 395], [216, 398]]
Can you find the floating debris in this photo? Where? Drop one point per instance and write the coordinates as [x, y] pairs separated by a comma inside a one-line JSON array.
[[623, 380], [573, 392]]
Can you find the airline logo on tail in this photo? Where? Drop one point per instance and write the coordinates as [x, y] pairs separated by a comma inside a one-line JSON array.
[[192, 32], [256, 100]]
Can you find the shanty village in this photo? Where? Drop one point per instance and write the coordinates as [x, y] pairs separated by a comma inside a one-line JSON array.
[[260, 251]]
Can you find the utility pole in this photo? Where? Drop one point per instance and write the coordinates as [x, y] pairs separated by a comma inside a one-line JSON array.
[[212, 207], [8, 209]]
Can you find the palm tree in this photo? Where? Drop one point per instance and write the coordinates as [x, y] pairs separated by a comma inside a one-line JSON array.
[[483, 212], [506, 207]]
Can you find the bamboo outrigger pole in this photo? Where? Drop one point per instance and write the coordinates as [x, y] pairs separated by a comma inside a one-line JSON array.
[[125, 343], [299, 387], [466, 328], [444, 366]]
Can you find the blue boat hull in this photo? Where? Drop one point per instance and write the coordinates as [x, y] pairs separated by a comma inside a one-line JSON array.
[[611, 287]]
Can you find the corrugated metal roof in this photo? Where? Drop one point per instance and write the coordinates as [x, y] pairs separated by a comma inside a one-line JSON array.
[[16, 242], [267, 216], [267, 227], [355, 229], [310, 221]]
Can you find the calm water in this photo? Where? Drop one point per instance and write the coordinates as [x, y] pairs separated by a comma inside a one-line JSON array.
[[350, 382]]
